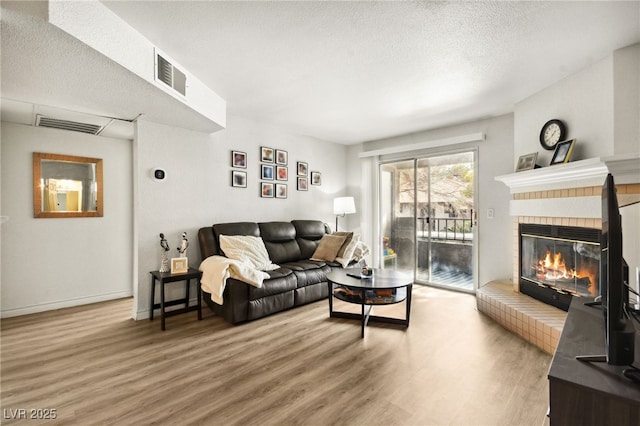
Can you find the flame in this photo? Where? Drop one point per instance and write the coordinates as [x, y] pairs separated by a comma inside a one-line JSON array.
[[552, 268]]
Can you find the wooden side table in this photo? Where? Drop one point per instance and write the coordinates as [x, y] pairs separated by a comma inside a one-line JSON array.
[[166, 278]]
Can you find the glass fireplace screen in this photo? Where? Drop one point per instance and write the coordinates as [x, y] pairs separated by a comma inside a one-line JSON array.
[[571, 266]]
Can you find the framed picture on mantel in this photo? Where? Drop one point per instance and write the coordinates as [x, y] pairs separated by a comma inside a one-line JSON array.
[[527, 162], [563, 152]]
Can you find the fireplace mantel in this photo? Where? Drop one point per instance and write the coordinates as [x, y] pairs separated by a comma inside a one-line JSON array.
[[533, 189], [578, 174]]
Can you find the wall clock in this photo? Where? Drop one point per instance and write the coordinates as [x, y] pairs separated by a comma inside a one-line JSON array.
[[552, 132]]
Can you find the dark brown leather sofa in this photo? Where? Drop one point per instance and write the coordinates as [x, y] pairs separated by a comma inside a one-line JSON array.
[[297, 281]]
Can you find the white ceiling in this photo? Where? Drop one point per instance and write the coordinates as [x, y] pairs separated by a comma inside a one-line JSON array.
[[355, 71]]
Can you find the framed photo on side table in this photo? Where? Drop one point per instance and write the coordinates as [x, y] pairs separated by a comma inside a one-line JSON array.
[[527, 162], [179, 265], [563, 152]]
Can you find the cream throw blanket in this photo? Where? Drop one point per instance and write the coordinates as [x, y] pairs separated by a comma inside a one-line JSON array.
[[248, 249], [216, 270]]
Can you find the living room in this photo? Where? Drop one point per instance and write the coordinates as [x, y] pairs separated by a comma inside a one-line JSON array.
[[594, 101], [49, 264]]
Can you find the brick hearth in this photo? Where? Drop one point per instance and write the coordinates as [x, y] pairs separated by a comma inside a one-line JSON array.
[[534, 321]]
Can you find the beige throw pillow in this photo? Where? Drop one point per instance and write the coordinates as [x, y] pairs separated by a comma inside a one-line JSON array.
[[348, 237], [348, 252], [328, 248]]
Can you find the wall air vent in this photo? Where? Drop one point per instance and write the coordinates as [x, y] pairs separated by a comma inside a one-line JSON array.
[[73, 126], [167, 73]]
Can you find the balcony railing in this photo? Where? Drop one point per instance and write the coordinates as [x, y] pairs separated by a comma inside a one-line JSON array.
[[445, 228]]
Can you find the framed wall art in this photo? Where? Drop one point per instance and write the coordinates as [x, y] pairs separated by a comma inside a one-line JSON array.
[[282, 157], [266, 154], [316, 178], [281, 190], [303, 168], [239, 159], [563, 152], [266, 171], [282, 173], [303, 184], [527, 162], [266, 189], [238, 179]]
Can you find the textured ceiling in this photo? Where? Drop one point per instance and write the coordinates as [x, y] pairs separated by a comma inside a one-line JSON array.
[[355, 71]]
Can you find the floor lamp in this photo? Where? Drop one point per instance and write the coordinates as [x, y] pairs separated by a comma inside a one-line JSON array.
[[343, 206]]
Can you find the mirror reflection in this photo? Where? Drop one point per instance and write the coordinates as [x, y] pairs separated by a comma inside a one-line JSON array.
[[66, 186]]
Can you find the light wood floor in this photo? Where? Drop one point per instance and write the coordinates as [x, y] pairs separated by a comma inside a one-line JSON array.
[[452, 366]]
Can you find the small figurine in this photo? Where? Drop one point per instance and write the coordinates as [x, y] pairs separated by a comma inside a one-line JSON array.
[[164, 263], [182, 250]]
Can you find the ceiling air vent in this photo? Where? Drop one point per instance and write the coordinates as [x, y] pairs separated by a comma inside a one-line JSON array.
[[170, 75], [74, 126]]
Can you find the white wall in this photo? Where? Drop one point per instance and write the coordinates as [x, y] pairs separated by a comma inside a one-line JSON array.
[[494, 158], [53, 263], [197, 191], [583, 101], [626, 72]]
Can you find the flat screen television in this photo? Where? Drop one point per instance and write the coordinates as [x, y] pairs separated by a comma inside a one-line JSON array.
[[614, 275]]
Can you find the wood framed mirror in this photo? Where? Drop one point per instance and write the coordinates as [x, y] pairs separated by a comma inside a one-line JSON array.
[[66, 186]]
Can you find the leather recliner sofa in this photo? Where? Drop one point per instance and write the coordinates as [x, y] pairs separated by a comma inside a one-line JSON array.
[[297, 281]]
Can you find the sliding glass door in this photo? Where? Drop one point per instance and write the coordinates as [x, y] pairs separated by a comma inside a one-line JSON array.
[[427, 218], [398, 215]]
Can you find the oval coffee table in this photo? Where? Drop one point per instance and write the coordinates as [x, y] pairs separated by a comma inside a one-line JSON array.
[[387, 287]]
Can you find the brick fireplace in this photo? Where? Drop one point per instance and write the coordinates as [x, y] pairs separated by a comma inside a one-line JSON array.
[[569, 202], [565, 195], [558, 263]]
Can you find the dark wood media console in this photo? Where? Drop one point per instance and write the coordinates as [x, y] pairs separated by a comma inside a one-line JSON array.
[[584, 393]]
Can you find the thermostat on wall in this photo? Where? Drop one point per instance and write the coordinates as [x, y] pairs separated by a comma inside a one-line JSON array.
[[159, 174]]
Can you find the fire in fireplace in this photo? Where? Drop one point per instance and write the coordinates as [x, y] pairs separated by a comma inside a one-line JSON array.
[[559, 262]]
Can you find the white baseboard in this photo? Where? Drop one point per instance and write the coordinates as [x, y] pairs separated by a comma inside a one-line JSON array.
[[14, 312]]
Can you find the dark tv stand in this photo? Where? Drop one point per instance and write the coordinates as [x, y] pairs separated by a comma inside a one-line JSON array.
[[592, 358], [583, 393]]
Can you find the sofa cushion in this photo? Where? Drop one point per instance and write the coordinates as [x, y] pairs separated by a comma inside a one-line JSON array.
[[281, 280], [308, 234], [280, 241], [328, 248], [309, 276], [236, 228]]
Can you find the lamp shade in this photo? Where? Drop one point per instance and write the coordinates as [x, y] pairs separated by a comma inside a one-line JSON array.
[[344, 205]]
